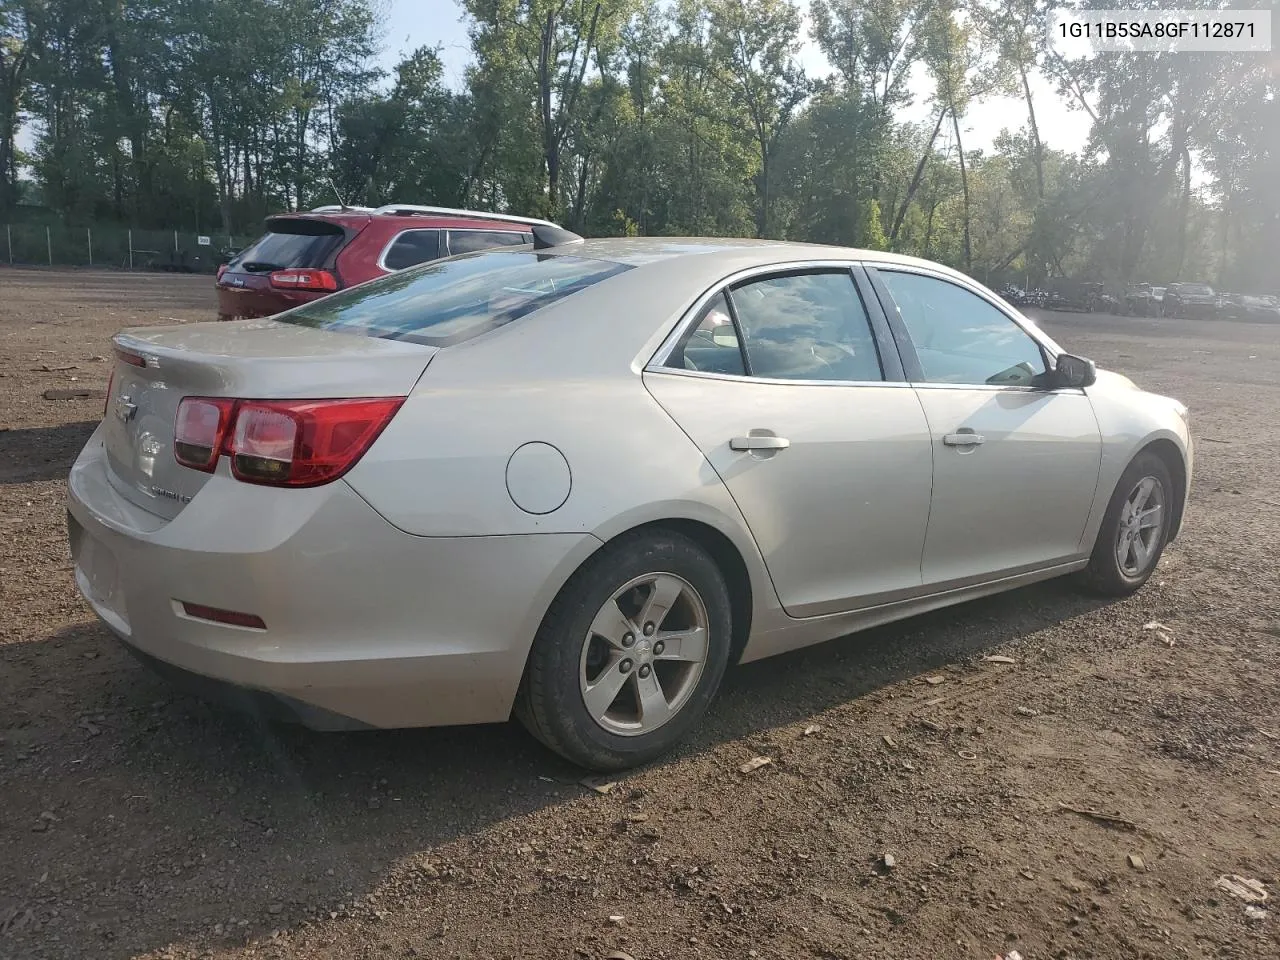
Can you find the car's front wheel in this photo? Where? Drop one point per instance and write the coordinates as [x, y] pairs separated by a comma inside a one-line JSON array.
[[630, 654], [1134, 529]]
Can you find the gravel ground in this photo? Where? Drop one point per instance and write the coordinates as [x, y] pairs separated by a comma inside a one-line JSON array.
[[137, 822]]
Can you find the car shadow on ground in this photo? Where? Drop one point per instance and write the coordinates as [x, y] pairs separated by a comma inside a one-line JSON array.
[[205, 811], [32, 454]]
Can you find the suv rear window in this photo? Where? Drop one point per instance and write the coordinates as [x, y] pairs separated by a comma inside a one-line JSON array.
[[290, 244], [449, 301]]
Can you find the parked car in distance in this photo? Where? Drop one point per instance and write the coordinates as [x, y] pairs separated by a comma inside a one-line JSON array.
[[1189, 301], [305, 256], [1242, 306], [1140, 300], [576, 481]]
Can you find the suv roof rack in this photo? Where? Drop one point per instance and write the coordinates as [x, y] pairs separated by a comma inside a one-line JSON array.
[[337, 208], [409, 209]]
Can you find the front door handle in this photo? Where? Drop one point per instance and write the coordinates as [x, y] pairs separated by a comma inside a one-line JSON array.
[[759, 443], [964, 439]]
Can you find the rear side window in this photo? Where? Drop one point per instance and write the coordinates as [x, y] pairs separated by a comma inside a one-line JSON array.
[[449, 301], [469, 241], [291, 244], [412, 248]]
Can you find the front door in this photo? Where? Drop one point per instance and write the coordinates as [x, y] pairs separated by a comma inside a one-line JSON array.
[[779, 384], [1015, 465]]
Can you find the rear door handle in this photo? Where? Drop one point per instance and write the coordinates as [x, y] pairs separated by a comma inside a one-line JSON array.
[[759, 443], [963, 439]]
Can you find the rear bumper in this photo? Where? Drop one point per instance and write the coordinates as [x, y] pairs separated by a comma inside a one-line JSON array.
[[365, 625], [251, 302]]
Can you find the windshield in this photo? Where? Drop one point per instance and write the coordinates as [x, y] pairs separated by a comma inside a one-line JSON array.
[[449, 301], [1196, 289]]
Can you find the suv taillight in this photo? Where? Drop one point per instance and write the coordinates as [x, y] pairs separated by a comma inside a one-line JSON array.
[[280, 443], [319, 280]]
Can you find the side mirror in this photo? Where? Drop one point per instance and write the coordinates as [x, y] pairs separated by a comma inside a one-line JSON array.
[[1074, 372]]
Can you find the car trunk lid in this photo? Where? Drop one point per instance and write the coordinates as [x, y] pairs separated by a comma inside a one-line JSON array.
[[248, 359]]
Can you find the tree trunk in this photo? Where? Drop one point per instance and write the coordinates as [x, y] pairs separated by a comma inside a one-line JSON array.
[[915, 179], [135, 120], [928, 230], [1184, 209], [964, 184], [1036, 143]]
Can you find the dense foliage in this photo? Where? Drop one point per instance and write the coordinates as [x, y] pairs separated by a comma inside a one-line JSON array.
[[640, 116]]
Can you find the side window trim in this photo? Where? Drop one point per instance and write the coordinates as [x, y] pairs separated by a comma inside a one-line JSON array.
[[913, 371], [891, 364], [886, 345], [910, 359], [737, 331], [381, 263]]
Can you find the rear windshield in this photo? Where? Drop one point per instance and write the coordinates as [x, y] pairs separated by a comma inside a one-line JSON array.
[[290, 244], [448, 301]]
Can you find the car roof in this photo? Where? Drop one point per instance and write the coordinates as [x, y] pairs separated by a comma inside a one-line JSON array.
[[731, 253]]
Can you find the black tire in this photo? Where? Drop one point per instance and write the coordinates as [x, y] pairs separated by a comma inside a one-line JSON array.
[[1104, 574], [550, 702]]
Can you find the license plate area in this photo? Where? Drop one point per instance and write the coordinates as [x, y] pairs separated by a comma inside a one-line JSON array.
[[97, 570]]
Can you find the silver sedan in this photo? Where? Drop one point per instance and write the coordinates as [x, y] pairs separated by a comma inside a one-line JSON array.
[[575, 481]]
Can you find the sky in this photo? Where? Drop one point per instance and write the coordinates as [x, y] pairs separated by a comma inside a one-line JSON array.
[[414, 23]]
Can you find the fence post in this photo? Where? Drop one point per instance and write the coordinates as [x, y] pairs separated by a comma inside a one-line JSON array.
[[8, 232], [175, 241], [88, 232], [48, 242], [130, 249]]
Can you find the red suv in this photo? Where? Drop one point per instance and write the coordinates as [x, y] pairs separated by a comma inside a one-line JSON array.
[[305, 256]]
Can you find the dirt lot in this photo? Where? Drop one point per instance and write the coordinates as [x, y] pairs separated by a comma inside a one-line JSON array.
[[138, 822]]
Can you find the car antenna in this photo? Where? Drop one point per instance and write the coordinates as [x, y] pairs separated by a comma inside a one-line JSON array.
[[334, 187], [546, 235]]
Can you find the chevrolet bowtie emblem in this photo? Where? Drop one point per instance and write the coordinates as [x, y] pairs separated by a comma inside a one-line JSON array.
[[126, 409]]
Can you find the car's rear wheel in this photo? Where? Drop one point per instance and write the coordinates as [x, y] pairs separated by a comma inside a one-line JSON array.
[[630, 654], [1134, 529]]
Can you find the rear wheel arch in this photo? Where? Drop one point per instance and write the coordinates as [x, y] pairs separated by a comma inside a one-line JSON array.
[[732, 567], [719, 547]]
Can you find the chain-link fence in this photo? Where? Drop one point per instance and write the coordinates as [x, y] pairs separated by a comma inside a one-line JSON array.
[[117, 247]]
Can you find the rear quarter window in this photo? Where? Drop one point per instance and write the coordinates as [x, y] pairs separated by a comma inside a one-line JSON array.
[[449, 301], [412, 248]]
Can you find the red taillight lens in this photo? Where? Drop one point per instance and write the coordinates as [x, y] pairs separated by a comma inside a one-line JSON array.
[[321, 280], [130, 358], [283, 443], [199, 431], [222, 268]]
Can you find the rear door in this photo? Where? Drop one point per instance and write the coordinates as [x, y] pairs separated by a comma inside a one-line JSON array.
[[801, 409], [1015, 464]]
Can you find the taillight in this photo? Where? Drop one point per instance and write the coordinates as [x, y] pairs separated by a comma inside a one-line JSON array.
[[284, 443], [304, 280], [199, 431], [130, 358], [222, 268]]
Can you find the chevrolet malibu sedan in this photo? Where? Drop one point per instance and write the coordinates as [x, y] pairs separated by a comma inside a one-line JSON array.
[[574, 481]]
